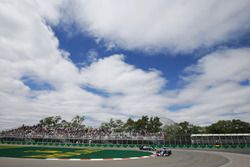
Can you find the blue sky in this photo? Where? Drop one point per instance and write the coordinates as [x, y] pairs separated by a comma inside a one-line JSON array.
[[121, 59], [170, 65]]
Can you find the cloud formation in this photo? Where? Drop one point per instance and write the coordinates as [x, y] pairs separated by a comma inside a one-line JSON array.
[[133, 92], [30, 55], [29, 49], [216, 87], [156, 25]]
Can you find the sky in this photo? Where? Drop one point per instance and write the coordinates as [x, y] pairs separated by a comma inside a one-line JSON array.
[[184, 60]]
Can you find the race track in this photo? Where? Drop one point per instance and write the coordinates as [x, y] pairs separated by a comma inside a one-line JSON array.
[[180, 158]]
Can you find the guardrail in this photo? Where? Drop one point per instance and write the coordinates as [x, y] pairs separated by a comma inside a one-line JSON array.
[[193, 146]]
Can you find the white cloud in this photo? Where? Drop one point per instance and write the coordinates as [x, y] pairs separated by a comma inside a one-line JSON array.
[[27, 43], [134, 91], [175, 25], [214, 88], [50, 10], [223, 66], [29, 49], [114, 75]]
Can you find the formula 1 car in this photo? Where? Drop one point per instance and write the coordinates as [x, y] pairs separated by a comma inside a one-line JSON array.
[[163, 152]]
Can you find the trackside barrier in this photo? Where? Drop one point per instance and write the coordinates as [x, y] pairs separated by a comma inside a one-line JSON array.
[[124, 145]]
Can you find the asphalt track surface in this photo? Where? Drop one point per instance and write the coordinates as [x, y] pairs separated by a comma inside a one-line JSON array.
[[180, 158]]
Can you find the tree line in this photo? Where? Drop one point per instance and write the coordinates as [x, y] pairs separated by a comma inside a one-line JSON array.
[[145, 125], [220, 127], [57, 121]]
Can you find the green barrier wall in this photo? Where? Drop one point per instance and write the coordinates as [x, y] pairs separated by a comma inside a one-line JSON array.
[[123, 145]]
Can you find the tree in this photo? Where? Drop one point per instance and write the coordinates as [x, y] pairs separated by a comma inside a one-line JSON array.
[[141, 125], [171, 129], [182, 128], [51, 121], [114, 125], [187, 128], [119, 126], [229, 126], [77, 121], [56, 120], [154, 125], [105, 126], [239, 126], [65, 124], [129, 125]]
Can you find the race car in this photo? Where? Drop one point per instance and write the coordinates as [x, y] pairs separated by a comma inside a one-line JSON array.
[[164, 152], [146, 148]]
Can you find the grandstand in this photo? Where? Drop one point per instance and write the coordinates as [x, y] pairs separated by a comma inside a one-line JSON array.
[[91, 136], [56, 133], [71, 135]]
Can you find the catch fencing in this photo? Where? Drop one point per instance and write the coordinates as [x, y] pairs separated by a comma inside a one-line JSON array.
[[197, 140]]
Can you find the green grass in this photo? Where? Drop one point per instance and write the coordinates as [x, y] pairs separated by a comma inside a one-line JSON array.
[[51, 152]]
